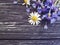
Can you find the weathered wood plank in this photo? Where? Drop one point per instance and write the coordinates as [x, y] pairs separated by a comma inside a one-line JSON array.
[[27, 42], [9, 1], [5, 1], [13, 31], [14, 25], [12, 7], [18, 36]]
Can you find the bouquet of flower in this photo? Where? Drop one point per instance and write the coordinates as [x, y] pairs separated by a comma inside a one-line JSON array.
[[42, 11]]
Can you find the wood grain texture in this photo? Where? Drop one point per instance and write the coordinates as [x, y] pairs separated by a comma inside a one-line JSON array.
[[14, 25], [9, 1], [27, 42]]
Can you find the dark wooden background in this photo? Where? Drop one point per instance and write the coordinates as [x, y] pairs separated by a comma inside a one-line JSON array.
[[15, 29]]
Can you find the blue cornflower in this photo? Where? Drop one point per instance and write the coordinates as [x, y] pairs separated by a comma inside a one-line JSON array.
[[58, 13], [34, 5], [48, 3], [39, 9], [54, 17]]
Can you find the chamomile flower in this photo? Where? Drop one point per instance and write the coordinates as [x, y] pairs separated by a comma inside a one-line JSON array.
[[34, 18]]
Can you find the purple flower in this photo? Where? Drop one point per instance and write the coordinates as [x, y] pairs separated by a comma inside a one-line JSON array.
[[55, 15], [59, 12], [39, 9], [53, 20], [45, 27], [48, 3], [28, 10], [34, 5]]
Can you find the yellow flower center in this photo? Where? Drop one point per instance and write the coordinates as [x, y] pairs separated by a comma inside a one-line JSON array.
[[34, 18], [25, 1]]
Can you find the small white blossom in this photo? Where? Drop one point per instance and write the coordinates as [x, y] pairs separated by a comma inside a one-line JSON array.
[[34, 18]]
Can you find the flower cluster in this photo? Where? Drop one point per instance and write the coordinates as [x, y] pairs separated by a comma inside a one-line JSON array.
[[44, 11]]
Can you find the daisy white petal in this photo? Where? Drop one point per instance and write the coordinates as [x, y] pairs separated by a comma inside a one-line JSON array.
[[33, 23], [37, 22], [30, 21], [39, 18], [23, 4]]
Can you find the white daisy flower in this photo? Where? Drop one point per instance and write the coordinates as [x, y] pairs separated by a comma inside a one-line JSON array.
[[26, 2], [34, 18]]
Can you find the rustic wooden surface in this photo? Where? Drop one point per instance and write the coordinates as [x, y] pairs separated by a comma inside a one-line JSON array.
[[15, 29]]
